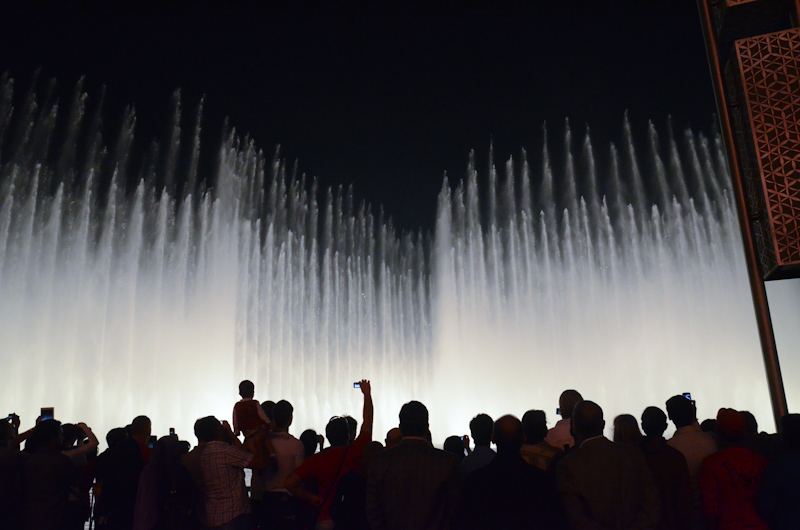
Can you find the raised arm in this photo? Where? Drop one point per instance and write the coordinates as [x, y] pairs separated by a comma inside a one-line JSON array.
[[83, 450], [368, 414], [20, 437]]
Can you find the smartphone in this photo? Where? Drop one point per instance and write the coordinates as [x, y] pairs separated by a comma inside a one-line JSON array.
[[356, 385], [558, 411], [171, 431], [47, 413], [151, 442], [687, 395]]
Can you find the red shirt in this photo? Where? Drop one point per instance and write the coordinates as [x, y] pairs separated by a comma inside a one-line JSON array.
[[729, 481], [145, 452], [248, 414], [325, 465]]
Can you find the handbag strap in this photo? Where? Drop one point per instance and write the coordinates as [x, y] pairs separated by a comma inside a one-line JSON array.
[[335, 478]]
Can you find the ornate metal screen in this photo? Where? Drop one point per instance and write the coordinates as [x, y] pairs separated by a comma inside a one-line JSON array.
[[764, 84]]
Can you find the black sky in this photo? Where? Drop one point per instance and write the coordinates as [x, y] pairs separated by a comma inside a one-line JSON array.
[[388, 95]]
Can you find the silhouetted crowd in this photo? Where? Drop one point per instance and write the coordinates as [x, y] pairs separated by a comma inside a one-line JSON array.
[[722, 474]]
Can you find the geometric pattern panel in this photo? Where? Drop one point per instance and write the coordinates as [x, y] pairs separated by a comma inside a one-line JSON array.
[[769, 66]]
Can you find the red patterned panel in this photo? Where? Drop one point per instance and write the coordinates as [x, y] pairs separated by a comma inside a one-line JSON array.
[[770, 73]]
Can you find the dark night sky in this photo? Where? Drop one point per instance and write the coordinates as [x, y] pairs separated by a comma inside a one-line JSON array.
[[388, 95]]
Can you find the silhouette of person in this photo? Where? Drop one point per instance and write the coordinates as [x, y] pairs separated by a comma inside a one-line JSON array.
[[508, 492], [413, 485], [603, 484]]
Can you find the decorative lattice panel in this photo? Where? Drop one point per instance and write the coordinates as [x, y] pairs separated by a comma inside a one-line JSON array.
[[769, 69]]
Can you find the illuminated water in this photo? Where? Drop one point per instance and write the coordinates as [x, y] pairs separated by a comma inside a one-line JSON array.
[[131, 299]]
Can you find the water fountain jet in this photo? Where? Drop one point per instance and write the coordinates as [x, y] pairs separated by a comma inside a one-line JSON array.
[[120, 296]]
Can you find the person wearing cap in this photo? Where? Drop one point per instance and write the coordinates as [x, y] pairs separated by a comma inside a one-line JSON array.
[[730, 478]]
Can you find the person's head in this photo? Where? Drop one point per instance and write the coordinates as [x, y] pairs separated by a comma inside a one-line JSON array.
[[247, 389], [370, 450], [352, 427], [681, 411], [790, 431], [70, 433], [534, 424], [116, 436], [166, 451], [393, 437], [567, 402], [654, 422], [481, 429], [587, 421], [207, 429], [337, 432], [140, 428], [269, 409], [750, 423], [47, 436], [454, 445], [730, 426], [709, 425], [310, 440], [626, 429], [508, 435], [283, 413], [414, 419]]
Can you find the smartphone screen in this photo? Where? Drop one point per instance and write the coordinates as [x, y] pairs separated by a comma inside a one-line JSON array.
[[172, 430], [356, 385], [47, 413]]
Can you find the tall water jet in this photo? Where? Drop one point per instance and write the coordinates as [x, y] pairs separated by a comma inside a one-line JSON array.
[[628, 301], [129, 285], [121, 297]]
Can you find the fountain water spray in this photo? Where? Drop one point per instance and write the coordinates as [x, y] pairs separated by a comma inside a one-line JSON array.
[[128, 291]]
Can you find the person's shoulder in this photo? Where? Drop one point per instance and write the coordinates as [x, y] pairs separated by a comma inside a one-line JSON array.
[[598, 448], [713, 459], [706, 437], [443, 455], [671, 452], [628, 448], [192, 455], [364, 437], [536, 477], [745, 453], [218, 447]]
